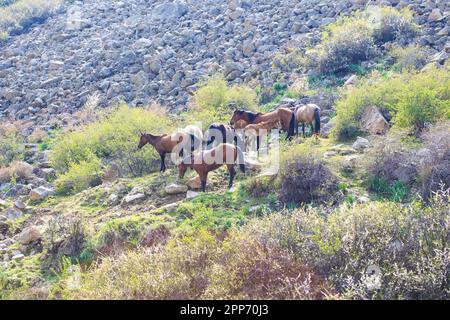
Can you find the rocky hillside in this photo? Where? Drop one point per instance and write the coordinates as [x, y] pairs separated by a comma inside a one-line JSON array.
[[142, 51]]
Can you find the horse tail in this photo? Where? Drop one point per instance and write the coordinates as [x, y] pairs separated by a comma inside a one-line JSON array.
[[291, 125], [317, 121], [240, 159]]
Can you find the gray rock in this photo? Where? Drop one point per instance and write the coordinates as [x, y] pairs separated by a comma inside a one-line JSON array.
[[28, 235], [169, 11], [176, 188], [361, 144], [40, 193], [134, 198]]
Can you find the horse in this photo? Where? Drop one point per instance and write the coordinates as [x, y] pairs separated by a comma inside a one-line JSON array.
[[307, 114], [224, 131], [169, 143], [259, 130], [284, 115], [209, 160]]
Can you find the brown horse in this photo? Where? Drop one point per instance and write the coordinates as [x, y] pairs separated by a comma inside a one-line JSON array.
[[259, 130], [178, 141], [307, 114], [284, 115], [207, 161]]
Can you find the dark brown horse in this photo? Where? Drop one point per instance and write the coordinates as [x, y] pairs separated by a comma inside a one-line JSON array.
[[223, 133], [207, 161], [307, 114]]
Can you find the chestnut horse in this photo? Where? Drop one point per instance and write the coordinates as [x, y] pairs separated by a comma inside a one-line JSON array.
[[258, 130], [307, 114], [169, 143], [209, 160], [284, 115]]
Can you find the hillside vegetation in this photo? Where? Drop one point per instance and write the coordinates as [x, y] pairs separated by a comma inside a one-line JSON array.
[[360, 213]]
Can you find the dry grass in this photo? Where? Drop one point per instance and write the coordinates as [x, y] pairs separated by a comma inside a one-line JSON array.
[[238, 267], [18, 170]]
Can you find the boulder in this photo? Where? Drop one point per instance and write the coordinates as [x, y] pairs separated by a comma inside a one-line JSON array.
[[40, 193], [361, 144], [435, 15], [12, 213], [176, 188], [350, 162], [134, 198], [194, 183], [169, 11], [28, 235], [192, 194], [374, 122]]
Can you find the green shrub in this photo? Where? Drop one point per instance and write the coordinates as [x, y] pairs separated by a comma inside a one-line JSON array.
[[79, 177], [113, 137], [213, 99], [408, 243], [10, 145], [392, 24], [411, 99], [410, 58], [22, 13], [347, 42], [357, 38]]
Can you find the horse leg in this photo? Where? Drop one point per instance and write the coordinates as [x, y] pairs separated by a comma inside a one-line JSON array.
[[312, 129], [303, 130], [163, 162], [257, 143], [232, 172], [203, 178]]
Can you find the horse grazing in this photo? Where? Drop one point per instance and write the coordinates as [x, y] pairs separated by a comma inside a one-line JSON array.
[[224, 132], [209, 160], [259, 130], [307, 114], [284, 115], [178, 141]]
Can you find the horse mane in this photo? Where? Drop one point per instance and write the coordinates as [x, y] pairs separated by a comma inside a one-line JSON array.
[[252, 115]]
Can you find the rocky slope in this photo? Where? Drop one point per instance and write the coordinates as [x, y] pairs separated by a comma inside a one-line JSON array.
[[141, 51]]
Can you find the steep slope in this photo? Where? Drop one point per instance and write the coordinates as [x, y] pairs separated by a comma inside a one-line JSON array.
[[140, 51]]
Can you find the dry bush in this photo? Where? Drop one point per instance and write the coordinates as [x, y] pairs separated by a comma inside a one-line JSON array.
[[305, 179], [249, 269], [38, 135], [434, 160], [202, 267], [18, 170], [408, 243]]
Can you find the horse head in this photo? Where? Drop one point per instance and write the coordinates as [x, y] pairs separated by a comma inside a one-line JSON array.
[[238, 115]]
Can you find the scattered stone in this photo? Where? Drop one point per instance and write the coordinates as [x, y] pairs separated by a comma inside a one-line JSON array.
[[12, 213], [113, 199], [192, 194], [194, 183], [134, 198], [40, 193], [374, 122], [28, 235], [361, 144], [175, 188], [435, 15], [18, 257], [350, 162]]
